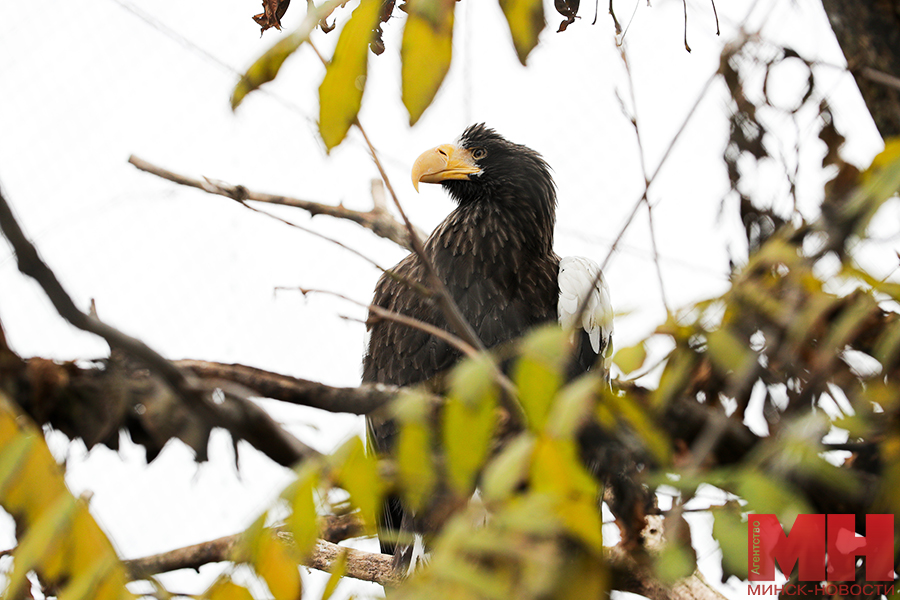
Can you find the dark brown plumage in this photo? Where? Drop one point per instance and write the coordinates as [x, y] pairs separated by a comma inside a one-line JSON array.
[[494, 253]]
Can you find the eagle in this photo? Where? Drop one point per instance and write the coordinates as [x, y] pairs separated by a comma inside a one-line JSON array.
[[494, 253]]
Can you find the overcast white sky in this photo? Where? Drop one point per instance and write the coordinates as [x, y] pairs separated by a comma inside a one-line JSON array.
[[89, 82]]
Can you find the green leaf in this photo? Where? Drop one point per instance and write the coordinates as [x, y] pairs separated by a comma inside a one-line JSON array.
[[412, 411], [731, 533], [266, 67], [538, 373], [627, 408], [675, 562], [425, 52], [769, 495], [728, 353], [526, 20], [674, 378], [469, 420], [358, 474], [509, 469], [573, 406], [341, 91], [631, 359]]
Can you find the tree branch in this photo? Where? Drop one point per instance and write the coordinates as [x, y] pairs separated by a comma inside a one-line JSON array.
[[378, 220], [241, 417], [628, 575], [333, 529], [358, 401]]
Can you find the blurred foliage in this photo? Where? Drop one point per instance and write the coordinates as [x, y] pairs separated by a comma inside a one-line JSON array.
[[59, 540], [805, 344], [802, 348]]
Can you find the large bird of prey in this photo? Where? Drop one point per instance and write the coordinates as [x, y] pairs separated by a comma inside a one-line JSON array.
[[494, 253]]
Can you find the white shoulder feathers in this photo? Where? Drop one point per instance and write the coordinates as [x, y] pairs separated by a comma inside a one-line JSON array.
[[580, 280]]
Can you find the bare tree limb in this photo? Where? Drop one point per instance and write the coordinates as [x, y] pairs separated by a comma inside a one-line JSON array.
[[333, 529], [378, 220], [628, 575], [246, 421], [358, 401]]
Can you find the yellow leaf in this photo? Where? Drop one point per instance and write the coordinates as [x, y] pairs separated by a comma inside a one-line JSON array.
[[357, 473], [58, 535], [675, 562], [88, 585], [42, 544], [631, 359], [341, 92], [884, 158], [266, 67], [556, 470], [468, 422], [538, 373], [526, 20], [303, 520], [675, 376], [274, 565], [728, 353], [338, 570], [227, 590], [414, 463], [425, 52], [508, 470], [626, 407], [573, 405]]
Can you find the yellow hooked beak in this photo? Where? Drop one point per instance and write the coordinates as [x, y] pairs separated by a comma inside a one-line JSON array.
[[443, 162]]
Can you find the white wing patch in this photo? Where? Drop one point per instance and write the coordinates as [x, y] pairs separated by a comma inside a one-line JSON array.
[[579, 282]]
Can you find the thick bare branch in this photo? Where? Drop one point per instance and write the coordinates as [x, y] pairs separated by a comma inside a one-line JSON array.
[[241, 417], [378, 568], [378, 220], [358, 401], [333, 529]]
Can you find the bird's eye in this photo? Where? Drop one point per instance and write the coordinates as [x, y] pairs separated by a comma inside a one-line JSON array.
[[479, 153]]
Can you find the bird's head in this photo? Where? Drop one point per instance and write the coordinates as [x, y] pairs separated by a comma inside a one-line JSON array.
[[484, 165]]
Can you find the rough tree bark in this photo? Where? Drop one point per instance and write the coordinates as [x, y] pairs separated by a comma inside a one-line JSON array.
[[869, 34]]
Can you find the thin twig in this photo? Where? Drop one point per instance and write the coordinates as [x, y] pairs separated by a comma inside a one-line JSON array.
[[716, 15], [686, 46], [644, 197], [881, 77], [377, 220], [389, 315], [662, 162], [612, 13]]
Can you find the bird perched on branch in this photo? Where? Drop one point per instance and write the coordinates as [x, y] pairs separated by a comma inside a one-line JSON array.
[[494, 253]]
